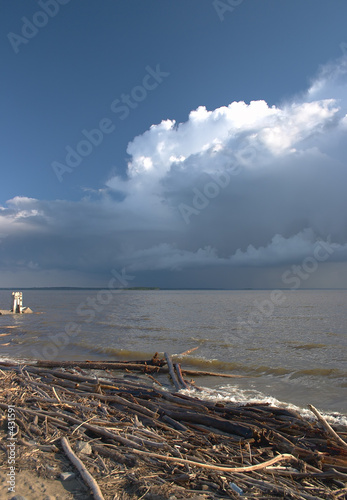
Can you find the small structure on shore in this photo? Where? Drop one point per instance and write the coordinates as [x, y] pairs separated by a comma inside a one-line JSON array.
[[17, 305]]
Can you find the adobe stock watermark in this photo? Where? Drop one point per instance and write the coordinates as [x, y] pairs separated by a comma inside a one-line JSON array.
[[122, 107], [40, 19], [224, 6], [86, 310], [12, 432], [294, 276]]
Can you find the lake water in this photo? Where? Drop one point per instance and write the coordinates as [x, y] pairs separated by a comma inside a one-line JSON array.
[[293, 352]]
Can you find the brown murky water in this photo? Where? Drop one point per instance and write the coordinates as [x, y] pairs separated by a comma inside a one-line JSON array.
[[295, 351]]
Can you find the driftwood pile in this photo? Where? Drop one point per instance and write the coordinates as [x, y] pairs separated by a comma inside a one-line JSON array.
[[146, 441]]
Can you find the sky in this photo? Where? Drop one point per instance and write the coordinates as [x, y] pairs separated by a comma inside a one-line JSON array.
[[178, 144]]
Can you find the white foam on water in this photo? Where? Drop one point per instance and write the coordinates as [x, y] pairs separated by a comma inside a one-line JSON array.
[[242, 397], [232, 393], [11, 359]]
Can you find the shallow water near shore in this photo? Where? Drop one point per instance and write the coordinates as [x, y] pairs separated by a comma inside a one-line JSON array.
[[294, 352]]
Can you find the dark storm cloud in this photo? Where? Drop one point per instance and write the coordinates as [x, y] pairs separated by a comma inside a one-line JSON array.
[[246, 185]]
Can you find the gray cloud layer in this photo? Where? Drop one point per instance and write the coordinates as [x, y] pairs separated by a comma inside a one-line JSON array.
[[245, 185]]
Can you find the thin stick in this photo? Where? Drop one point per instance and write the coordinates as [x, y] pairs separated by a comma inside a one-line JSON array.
[[56, 395], [187, 352], [211, 374], [327, 427], [90, 481], [85, 422], [248, 468]]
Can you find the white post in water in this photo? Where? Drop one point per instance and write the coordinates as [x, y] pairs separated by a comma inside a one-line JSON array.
[[17, 302]]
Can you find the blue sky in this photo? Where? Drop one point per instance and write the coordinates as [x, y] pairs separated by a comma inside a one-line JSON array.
[[124, 204]]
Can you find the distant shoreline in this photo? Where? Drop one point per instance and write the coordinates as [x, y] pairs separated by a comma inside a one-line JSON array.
[[144, 288]]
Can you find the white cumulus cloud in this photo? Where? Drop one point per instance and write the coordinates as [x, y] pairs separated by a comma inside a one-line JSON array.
[[244, 185]]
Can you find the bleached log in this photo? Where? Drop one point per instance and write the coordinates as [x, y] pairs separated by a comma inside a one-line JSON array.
[[172, 372], [328, 427], [87, 477]]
